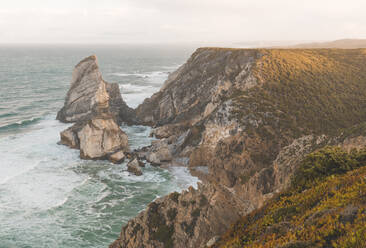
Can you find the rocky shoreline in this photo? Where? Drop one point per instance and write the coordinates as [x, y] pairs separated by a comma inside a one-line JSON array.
[[230, 116]]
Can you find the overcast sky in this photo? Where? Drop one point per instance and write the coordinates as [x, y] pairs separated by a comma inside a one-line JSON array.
[[157, 21]]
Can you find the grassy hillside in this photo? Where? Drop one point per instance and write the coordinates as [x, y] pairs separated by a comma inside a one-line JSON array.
[[325, 207], [306, 90]]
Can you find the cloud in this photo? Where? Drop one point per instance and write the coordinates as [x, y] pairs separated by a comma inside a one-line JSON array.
[[116, 21]]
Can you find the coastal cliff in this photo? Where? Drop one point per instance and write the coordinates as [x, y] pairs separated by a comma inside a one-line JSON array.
[[243, 120]]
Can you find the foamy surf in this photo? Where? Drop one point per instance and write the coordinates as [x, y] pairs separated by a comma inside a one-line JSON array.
[[59, 198], [137, 86], [48, 196]]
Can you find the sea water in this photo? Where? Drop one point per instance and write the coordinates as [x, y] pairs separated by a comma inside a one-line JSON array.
[[49, 197]]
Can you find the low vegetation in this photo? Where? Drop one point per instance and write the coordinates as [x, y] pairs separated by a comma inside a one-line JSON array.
[[305, 91], [324, 207]]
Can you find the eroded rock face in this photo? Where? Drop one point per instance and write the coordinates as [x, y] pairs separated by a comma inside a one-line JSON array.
[[95, 107], [69, 137], [197, 87], [98, 138], [180, 220], [118, 107], [101, 137], [84, 97]]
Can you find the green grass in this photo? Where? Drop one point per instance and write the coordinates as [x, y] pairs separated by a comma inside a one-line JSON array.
[[324, 207], [306, 91]]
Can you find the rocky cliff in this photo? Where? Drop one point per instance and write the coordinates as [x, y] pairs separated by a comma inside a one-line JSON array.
[[243, 120], [97, 109], [81, 101]]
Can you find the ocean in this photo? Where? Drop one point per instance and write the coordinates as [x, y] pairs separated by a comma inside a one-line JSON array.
[[49, 197]]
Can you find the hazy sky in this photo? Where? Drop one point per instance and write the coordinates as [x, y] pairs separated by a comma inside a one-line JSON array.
[[129, 21]]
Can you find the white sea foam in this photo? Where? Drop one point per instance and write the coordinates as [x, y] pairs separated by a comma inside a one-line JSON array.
[[183, 177], [133, 88], [135, 97], [147, 75], [33, 168], [134, 93]]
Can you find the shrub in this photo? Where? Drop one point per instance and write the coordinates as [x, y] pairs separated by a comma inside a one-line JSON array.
[[325, 162]]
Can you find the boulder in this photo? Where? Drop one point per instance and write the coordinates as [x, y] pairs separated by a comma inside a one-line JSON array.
[[69, 138], [213, 241], [98, 138], [134, 167], [159, 153], [117, 157], [101, 137]]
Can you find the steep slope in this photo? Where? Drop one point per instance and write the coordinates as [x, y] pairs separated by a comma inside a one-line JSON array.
[[325, 207], [243, 120], [195, 89]]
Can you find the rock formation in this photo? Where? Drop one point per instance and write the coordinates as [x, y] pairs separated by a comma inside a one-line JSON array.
[[95, 106], [117, 157], [242, 120], [134, 167], [81, 100]]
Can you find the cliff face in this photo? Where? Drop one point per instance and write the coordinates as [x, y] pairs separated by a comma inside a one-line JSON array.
[[243, 120], [196, 88]]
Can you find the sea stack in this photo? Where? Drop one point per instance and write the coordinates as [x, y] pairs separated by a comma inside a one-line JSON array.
[[81, 99], [96, 131]]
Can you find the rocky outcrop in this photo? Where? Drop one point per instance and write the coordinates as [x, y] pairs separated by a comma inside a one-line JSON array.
[[81, 100], [118, 107], [181, 220], [101, 137], [98, 138], [242, 120], [95, 107], [134, 166], [117, 157]]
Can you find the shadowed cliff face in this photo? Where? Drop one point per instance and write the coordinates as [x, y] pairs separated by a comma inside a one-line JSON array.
[[242, 120]]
